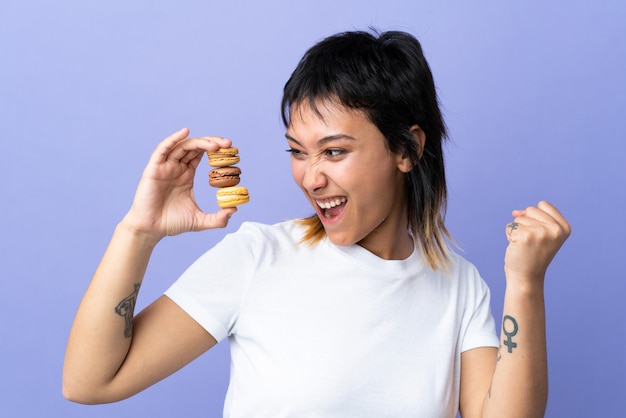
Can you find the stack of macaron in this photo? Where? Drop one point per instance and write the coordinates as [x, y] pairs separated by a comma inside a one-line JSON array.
[[226, 177]]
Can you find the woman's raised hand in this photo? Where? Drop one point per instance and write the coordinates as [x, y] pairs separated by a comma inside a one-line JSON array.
[[164, 202], [535, 236]]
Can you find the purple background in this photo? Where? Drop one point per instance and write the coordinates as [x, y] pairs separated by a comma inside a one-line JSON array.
[[535, 99]]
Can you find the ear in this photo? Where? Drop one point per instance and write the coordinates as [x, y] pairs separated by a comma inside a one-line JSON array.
[[420, 137], [406, 162]]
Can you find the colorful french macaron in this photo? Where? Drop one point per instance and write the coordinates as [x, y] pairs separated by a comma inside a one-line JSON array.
[[224, 176], [223, 157], [229, 197]]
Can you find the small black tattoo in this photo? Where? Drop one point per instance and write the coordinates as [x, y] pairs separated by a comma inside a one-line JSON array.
[[509, 334], [126, 308]]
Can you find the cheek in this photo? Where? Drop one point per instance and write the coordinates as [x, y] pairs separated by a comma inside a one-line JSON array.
[[378, 188], [297, 171]]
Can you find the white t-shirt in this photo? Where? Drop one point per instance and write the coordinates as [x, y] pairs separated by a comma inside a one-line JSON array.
[[329, 331]]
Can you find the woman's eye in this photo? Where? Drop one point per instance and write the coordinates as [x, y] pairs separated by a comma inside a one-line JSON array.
[[334, 152], [294, 152]]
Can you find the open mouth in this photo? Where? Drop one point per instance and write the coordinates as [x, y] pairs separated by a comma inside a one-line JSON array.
[[331, 208]]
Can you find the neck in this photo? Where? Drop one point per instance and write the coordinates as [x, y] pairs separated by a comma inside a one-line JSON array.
[[391, 240], [400, 249]]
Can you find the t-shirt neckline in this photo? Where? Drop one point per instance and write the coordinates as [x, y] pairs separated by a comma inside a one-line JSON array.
[[365, 257]]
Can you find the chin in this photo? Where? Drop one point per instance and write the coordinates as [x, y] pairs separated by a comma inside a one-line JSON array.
[[341, 240]]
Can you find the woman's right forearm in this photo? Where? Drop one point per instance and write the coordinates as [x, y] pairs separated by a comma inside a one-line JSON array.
[[102, 331]]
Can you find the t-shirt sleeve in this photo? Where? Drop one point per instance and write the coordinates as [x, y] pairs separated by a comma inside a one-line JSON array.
[[212, 289], [480, 330]]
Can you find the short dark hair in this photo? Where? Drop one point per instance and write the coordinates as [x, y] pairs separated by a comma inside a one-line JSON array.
[[386, 76]]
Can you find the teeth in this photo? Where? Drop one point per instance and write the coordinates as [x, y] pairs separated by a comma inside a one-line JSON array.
[[331, 203]]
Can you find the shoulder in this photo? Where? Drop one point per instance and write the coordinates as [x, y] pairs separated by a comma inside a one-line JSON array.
[[287, 231], [465, 274], [259, 238], [461, 266]]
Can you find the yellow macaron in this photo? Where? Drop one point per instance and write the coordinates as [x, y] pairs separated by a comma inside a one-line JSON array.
[[228, 197], [223, 157]]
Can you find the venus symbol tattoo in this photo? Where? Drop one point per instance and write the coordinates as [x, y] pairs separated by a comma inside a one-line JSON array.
[[509, 334], [126, 308]]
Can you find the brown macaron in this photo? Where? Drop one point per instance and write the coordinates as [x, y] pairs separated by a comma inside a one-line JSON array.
[[224, 176]]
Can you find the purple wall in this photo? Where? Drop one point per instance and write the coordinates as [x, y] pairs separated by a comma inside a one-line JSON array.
[[534, 96]]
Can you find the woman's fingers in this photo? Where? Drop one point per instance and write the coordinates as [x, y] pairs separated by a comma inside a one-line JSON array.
[[543, 215], [190, 148], [164, 148], [179, 148], [556, 216], [179, 155], [218, 219], [535, 236]]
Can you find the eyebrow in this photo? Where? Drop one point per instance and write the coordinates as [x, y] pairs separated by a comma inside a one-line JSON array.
[[324, 140]]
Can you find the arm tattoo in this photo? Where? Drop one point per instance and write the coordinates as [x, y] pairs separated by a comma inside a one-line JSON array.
[[512, 332], [126, 308], [509, 329]]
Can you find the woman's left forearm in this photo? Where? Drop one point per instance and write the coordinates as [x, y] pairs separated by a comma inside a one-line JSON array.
[[519, 386]]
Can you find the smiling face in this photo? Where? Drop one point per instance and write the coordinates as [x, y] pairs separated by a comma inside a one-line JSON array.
[[340, 161]]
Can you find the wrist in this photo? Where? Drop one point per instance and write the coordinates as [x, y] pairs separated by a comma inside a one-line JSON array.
[[137, 232], [523, 284]]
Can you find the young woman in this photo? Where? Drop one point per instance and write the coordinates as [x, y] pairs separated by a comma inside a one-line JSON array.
[[359, 310]]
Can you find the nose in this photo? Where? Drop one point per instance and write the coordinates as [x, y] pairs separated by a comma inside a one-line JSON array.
[[314, 178]]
